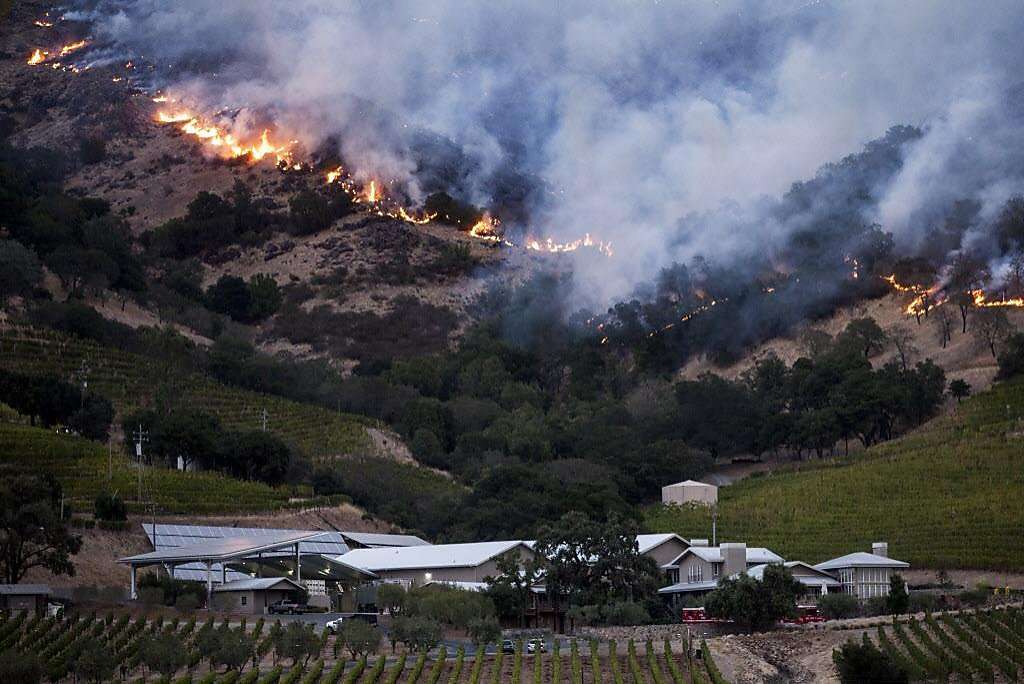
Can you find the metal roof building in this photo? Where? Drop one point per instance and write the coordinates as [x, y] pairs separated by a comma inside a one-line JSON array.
[[416, 565], [313, 549]]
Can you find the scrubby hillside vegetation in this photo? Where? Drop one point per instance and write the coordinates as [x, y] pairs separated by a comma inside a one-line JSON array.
[[253, 321]]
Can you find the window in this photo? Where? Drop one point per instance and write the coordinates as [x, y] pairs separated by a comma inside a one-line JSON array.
[[716, 569], [695, 573], [245, 599]]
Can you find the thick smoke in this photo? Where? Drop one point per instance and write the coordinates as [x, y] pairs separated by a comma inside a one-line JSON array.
[[633, 115]]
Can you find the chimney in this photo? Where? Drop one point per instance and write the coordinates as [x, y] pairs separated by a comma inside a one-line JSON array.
[[698, 542], [734, 558], [880, 549]]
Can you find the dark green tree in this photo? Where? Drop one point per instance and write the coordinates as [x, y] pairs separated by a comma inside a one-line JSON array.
[[32, 534], [898, 600], [20, 270], [959, 389], [755, 604]]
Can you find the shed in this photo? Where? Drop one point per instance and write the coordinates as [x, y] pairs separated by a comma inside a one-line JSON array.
[[253, 595], [18, 598], [689, 491]]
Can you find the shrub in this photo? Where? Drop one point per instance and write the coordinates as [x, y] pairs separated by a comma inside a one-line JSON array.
[[838, 606], [1011, 360], [20, 668], [110, 507], [858, 663], [92, 150], [19, 269]]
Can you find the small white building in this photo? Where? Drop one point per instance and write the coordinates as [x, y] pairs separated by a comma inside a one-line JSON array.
[[864, 575], [689, 491]]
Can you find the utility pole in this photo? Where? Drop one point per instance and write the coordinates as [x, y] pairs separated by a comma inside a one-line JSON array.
[[141, 436], [264, 418], [714, 525]]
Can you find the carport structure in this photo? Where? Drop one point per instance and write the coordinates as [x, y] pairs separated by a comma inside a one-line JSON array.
[[247, 555]]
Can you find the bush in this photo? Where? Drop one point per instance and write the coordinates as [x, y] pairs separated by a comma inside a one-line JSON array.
[[975, 597], [92, 150], [860, 663], [110, 507], [838, 606], [626, 613], [1011, 360], [231, 296], [20, 668], [923, 602], [20, 270]]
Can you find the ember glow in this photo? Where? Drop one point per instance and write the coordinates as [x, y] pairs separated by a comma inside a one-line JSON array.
[[38, 57], [42, 23]]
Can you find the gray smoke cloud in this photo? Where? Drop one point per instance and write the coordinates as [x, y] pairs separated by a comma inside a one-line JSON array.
[[635, 114]]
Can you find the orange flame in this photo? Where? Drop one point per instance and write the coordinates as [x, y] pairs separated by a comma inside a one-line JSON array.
[[334, 175], [549, 245], [981, 300], [43, 23], [486, 229], [38, 57], [223, 143], [72, 47]]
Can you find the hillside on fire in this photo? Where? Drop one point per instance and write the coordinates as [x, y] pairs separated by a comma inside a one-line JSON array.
[[442, 288]]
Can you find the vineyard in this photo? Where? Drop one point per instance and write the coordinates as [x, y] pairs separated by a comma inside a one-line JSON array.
[[131, 381], [945, 496], [985, 645], [86, 469], [73, 648]]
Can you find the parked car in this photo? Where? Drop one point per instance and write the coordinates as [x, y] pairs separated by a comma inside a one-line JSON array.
[[536, 646], [335, 625], [284, 607], [508, 646]]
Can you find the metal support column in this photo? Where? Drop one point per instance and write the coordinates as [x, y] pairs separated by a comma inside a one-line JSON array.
[[209, 585], [298, 564], [134, 595]]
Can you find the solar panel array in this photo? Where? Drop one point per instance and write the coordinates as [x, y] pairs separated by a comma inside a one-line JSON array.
[[173, 536]]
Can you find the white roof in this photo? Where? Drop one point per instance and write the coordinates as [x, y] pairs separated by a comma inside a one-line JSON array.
[[376, 539], [692, 483], [646, 542], [713, 554], [258, 584], [861, 559], [426, 557], [466, 586], [686, 587], [821, 578], [221, 548]]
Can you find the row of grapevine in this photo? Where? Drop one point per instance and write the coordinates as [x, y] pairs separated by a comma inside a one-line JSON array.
[[976, 645]]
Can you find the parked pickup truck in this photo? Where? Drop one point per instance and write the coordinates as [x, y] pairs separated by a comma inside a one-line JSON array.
[[287, 608]]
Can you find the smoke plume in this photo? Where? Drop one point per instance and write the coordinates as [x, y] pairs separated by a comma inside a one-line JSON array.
[[634, 117]]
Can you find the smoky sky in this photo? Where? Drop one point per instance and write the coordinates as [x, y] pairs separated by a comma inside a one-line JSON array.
[[635, 114]]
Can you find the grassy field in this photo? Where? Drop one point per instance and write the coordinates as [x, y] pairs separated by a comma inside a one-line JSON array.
[[131, 381], [947, 496], [86, 469]]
